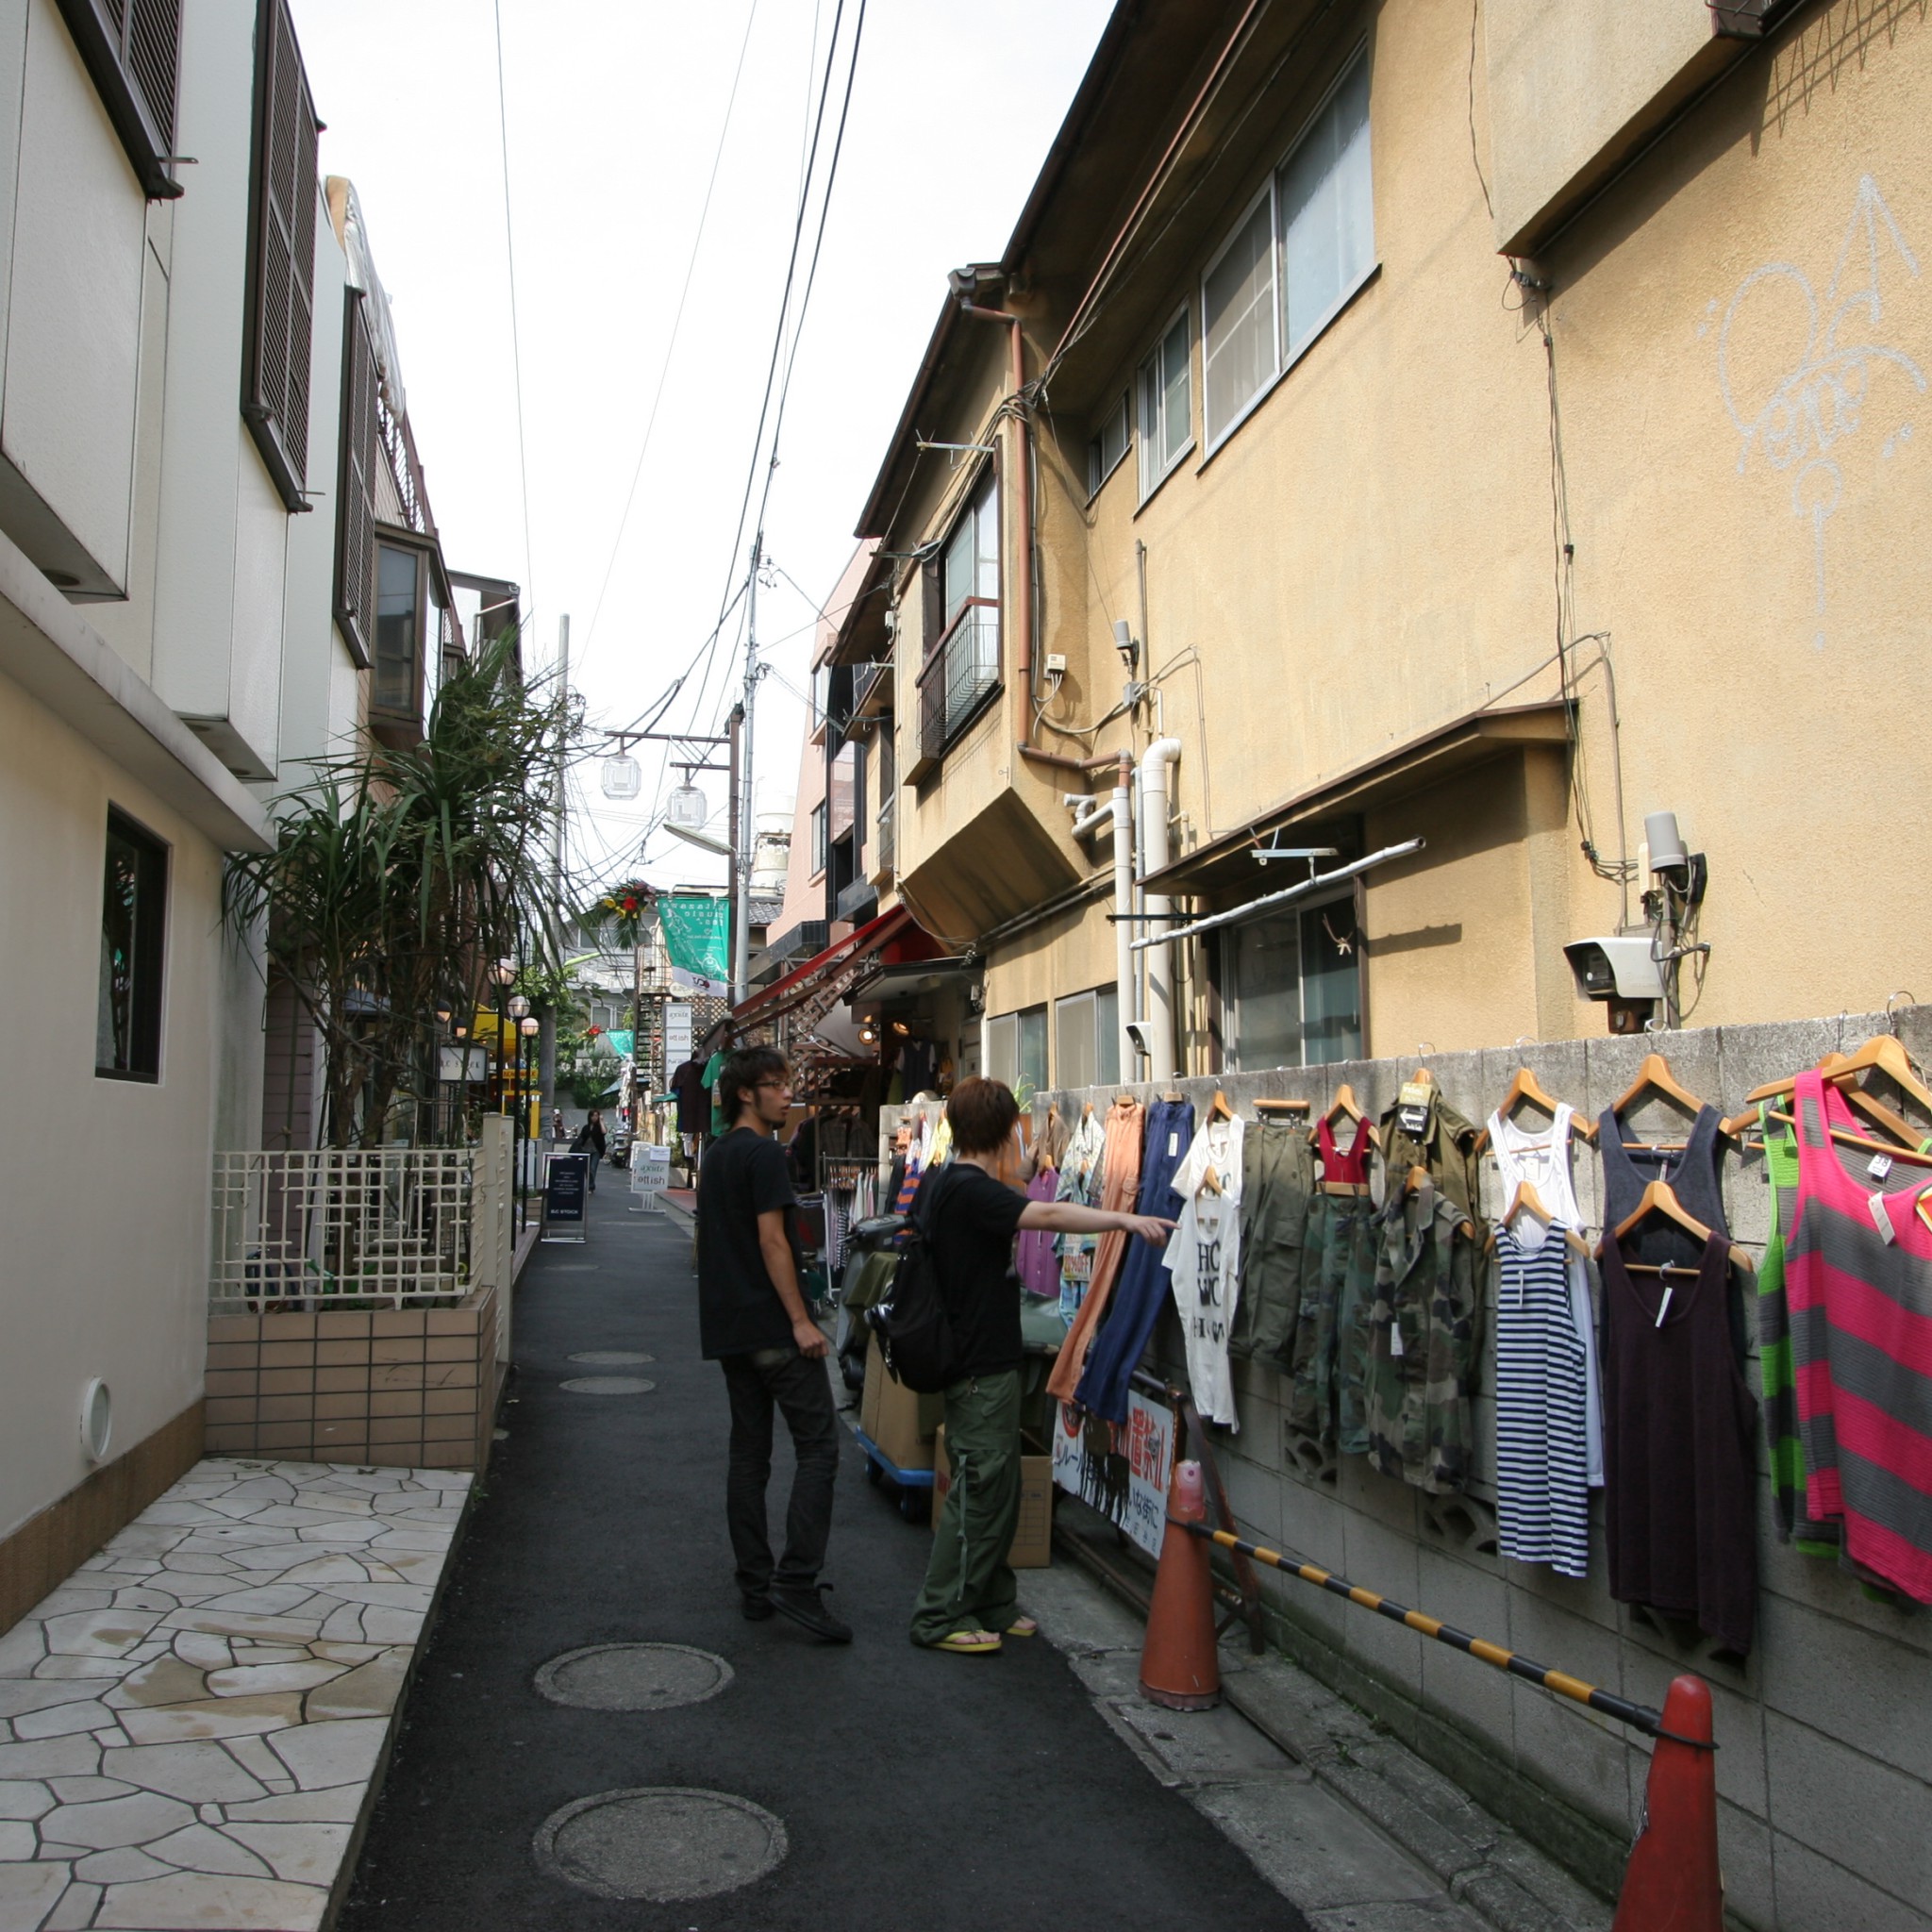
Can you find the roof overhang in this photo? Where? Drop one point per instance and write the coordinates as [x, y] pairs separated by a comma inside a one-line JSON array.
[[825, 979], [1224, 864]]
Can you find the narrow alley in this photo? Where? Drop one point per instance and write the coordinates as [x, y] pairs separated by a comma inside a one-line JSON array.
[[874, 1768]]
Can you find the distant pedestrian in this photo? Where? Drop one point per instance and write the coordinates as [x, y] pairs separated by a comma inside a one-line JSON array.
[[753, 1324], [556, 1130], [971, 1210], [590, 1141]]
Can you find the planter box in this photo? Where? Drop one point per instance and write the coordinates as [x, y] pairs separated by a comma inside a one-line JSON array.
[[403, 1387]]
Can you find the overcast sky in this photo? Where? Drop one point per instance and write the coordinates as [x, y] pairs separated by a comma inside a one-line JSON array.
[[615, 110]]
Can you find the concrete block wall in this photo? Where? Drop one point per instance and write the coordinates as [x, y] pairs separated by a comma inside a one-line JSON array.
[[411, 1388], [1824, 1770]]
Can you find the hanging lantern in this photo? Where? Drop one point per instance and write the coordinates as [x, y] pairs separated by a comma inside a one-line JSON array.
[[685, 807], [622, 776]]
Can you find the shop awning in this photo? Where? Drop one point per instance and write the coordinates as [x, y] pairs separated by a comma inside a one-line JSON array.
[[1223, 863], [822, 982], [904, 977]]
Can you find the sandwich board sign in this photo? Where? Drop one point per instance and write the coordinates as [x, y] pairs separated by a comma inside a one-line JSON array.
[[565, 1178]]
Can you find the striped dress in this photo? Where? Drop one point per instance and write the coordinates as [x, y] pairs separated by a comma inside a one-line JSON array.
[[1549, 1441], [1859, 1282]]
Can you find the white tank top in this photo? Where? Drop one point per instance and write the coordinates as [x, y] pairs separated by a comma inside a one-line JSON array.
[[1541, 1159]]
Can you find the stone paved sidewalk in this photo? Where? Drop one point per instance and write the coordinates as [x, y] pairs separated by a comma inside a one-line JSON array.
[[189, 1726]]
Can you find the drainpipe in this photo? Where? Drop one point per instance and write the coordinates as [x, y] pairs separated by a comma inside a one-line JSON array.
[[1122, 906], [1152, 814], [1022, 603]]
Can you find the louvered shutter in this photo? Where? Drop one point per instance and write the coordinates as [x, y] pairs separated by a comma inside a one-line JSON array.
[[355, 514], [132, 49], [281, 284]]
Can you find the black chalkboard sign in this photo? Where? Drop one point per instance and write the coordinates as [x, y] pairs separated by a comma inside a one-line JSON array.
[[563, 1188]]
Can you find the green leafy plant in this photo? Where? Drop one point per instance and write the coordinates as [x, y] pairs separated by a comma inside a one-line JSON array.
[[398, 876]]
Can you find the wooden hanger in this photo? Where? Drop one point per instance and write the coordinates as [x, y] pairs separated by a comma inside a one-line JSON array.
[[1282, 1106], [1218, 1107], [1086, 1110], [1346, 1107], [1659, 1198], [1881, 1054], [1654, 1076], [1211, 1183], [1874, 1110], [1909, 1156], [1526, 1200], [1527, 1088]]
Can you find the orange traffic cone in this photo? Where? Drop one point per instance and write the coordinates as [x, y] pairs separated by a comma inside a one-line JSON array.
[[1672, 1882], [1180, 1667]]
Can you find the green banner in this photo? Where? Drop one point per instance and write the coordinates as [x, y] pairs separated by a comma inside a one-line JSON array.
[[697, 938]]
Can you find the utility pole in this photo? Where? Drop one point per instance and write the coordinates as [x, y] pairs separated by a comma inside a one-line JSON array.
[[735, 727], [744, 821], [546, 1039]]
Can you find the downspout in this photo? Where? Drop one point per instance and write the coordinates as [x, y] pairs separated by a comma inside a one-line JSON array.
[[1021, 602], [1123, 963], [1152, 812]]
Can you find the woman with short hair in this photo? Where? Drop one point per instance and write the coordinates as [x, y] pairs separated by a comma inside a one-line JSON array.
[[971, 1210]]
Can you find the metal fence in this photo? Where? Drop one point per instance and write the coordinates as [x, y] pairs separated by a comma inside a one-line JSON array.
[[317, 1227]]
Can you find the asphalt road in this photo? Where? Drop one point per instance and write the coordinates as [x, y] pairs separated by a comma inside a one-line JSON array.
[[916, 1788]]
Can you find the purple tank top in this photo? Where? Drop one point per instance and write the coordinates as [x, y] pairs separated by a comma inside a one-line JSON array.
[[1034, 1259]]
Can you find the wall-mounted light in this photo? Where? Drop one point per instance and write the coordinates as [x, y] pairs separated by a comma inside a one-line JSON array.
[[1126, 644]]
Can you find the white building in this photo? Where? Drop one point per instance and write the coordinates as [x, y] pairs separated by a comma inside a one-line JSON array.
[[194, 520]]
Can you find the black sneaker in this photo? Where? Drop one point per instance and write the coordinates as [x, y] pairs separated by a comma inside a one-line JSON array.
[[801, 1603], [754, 1608]]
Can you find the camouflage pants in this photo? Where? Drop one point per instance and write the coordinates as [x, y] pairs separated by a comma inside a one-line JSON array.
[[1278, 1177], [1330, 1350], [1423, 1342]]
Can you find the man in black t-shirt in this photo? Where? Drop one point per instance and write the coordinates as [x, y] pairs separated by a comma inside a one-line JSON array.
[[753, 1322]]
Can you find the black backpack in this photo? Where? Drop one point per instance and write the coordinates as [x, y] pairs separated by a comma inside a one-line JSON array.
[[914, 1330]]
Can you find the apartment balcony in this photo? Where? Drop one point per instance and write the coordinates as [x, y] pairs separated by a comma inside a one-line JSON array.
[[958, 678], [872, 688]]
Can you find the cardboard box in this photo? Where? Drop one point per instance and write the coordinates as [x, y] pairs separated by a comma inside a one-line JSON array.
[[1033, 1536], [901, 1422]]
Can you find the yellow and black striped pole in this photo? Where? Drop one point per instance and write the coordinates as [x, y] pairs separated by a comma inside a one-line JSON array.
[[1639, 1716]]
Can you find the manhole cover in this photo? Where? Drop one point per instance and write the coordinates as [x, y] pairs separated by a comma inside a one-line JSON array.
[[664, 1844], [608, 1385], [612, 1358], [633, 1677]]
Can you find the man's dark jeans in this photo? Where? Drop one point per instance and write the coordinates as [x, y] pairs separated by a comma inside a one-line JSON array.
[[757, 1383]]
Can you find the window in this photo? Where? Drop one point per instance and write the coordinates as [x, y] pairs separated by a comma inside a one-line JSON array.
[[1032, 1051], [1302, 249], [1327, 213], [1297, 988], [1237, 331], [281, 261], [134, 900], [132, 50], [403, 602], [1167, 427], [1108, 447], [962, 626], [820, 844], [355, 489], [1087, 1038], [1016, 1050]]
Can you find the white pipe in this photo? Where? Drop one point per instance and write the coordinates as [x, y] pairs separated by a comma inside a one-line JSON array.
[[1152, 814], [1307, 886], [1123, 961]]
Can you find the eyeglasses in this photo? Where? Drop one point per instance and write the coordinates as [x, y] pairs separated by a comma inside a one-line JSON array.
[[777, 1085]]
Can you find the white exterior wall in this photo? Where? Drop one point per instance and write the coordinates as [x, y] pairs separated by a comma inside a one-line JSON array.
[[108, 1180], [223, 528]]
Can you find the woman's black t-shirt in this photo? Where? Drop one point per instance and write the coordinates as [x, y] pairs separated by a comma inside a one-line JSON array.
[[974, 1220]]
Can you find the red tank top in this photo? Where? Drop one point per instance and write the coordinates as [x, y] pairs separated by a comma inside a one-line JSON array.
[[1352, 1167]]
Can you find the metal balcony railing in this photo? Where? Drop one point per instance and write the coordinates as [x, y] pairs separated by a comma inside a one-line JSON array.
[[328, 1225], [958, 678]]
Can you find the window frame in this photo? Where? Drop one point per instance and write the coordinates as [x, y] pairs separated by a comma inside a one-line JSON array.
[[937, 632], [1284, 361], [1151, 479], [147, 998], [279, 423], [1104, 1036], [1231, 971], [396, 725], [359, 449], [1098, 469], [819, 850], [145, 126], [1267, 193]]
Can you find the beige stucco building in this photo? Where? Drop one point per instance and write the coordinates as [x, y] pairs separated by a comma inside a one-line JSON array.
[[1489, 443]]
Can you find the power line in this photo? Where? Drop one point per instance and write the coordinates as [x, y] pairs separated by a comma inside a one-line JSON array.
[[677, 323], [516, 349]]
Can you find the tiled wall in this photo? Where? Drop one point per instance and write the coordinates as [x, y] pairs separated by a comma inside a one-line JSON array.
[[405, 1388], [1824, 1771]]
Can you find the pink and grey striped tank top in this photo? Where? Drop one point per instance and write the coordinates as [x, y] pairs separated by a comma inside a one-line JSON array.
[[1859, 1281]]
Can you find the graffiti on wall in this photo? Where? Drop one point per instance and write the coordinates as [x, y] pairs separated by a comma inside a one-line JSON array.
[[1801, 374]]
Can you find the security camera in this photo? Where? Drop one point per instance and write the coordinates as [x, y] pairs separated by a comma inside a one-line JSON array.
[[1615, 969], [1137, 1032]]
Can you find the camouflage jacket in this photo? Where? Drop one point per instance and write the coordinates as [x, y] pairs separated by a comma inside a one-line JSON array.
[[1425, 1340]]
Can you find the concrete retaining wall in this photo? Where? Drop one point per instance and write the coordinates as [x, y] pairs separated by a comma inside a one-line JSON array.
[[1824, 1770]]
